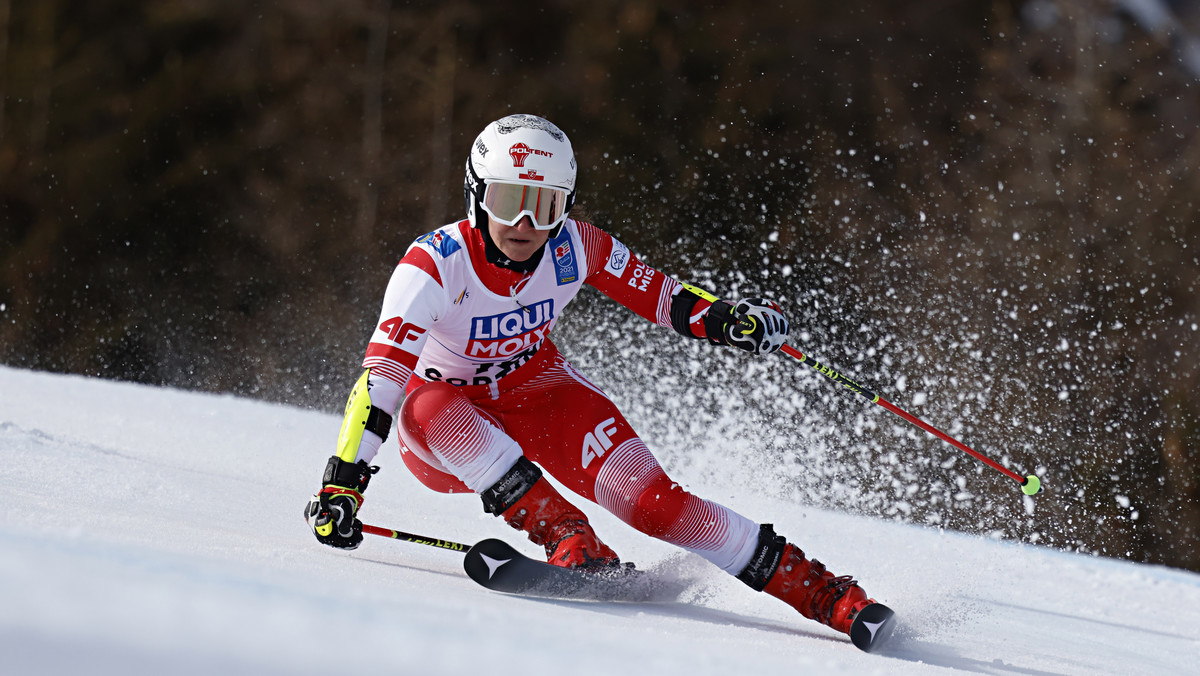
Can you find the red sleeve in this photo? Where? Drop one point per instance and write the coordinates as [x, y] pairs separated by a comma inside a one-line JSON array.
[[621, 276]]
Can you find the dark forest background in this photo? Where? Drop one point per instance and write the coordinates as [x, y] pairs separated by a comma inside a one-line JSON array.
[[989, 211]]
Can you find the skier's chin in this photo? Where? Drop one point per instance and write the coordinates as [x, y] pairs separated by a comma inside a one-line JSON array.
[[519, 250]]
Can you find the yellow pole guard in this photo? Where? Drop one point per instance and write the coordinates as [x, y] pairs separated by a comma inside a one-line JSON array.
[[358, 407], [701, 292]]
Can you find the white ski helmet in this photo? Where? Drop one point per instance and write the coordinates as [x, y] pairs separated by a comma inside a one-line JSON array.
[[526, 151]]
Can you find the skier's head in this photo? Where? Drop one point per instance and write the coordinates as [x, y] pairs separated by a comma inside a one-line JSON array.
[[520, 165]]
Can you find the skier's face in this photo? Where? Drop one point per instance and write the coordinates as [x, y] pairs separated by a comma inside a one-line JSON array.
[[519, 241]]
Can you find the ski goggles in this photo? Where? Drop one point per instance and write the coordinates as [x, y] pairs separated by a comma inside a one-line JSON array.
[[508, 203]]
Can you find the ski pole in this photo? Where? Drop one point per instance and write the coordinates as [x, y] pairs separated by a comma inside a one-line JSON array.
[[419, 539], [1030, 485]]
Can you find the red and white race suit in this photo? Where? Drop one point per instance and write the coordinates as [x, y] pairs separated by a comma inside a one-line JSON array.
[[469, 342]]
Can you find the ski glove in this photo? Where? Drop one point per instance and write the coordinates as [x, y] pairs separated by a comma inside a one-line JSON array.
[[330, 513], [755, 325]]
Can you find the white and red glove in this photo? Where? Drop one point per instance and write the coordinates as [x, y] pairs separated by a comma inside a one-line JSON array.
[[755, 325], [331, 512]]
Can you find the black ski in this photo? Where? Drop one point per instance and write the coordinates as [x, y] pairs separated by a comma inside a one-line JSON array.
[[872, 627], [497, 566]]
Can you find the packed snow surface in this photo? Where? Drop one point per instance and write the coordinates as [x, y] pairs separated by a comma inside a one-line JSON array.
[[148, 530]]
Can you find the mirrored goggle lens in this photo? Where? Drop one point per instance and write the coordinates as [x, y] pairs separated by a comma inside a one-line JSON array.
[[508, 202]]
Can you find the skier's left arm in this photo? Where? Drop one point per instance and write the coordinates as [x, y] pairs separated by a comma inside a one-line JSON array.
[[752, 324]]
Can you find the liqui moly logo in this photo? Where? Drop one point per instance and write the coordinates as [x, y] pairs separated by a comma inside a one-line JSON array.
[[506, 334], [519, 151]]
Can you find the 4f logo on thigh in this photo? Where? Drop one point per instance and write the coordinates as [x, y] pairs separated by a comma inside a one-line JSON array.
[[599, 441]]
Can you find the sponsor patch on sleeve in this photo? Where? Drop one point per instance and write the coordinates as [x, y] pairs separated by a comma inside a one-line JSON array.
[[442, 243], [618, 259], [564, 258]]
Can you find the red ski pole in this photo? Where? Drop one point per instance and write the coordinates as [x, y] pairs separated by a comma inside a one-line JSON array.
[[1030, 485]]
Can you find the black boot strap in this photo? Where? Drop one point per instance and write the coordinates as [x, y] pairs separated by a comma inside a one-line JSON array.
[[765, 560], [515, 483]]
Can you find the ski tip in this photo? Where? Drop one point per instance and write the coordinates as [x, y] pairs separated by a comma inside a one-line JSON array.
[[487, 558], [872, 627]]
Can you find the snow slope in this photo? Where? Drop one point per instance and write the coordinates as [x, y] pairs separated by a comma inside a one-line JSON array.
[[146, 530]]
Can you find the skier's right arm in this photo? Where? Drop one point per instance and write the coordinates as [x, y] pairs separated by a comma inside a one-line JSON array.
[[411, 304], [752, 324]]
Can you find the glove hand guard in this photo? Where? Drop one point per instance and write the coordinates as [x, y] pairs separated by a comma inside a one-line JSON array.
[[755, 325], [331, 512]]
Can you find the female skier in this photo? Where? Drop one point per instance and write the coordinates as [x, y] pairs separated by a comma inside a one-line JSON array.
[[489, 403]]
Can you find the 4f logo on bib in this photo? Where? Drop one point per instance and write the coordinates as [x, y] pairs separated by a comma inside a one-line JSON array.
[[599, 441], [399, 331]]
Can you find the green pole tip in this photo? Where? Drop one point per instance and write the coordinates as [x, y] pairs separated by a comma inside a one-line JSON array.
[[1032, 485]]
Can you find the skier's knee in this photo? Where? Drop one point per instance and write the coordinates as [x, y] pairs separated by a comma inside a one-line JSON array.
[[419, 407], [427, 400], [659, 507]]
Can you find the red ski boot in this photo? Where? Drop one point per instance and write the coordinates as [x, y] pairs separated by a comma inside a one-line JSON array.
[[780, 569], [814, 591], [549, 519], [553, 522]]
